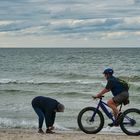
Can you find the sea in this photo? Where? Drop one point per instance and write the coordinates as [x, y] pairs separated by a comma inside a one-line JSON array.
[[70, 75]]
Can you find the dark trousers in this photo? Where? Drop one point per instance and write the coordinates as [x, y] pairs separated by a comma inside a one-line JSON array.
[[41, 116]]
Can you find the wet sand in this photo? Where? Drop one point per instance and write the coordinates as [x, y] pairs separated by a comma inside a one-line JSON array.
[[25, 134]]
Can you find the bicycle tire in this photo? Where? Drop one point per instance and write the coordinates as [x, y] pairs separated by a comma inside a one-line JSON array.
[[98, 115], [123, 126]]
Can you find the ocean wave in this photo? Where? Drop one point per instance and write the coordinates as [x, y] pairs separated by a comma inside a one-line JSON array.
[[33, 124], [35, 82], [79, 76], [135, 87], [7, 81], [70, 94], [40, 82], [10, 90], [22, 123], [130, 78], [111, 129], [15, 123], [133, 82], [14, 91]]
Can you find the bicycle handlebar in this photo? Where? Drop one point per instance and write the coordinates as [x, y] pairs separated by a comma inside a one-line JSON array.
[[94, 97]]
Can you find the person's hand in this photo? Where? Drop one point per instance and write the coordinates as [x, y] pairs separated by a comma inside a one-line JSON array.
[[94, 97], [97, 96]]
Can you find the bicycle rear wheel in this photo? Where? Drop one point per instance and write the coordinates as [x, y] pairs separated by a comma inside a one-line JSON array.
[[86, 124], [130, 122]]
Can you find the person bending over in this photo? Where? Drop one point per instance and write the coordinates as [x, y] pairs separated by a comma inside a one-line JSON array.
[[46, 107]]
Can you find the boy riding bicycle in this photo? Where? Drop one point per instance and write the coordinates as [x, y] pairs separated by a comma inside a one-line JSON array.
[[119, 91]]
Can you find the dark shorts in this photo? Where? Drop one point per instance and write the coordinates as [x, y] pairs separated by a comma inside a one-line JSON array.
[[120, 98]]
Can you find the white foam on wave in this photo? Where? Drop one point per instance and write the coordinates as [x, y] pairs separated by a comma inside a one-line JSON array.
[[14, 123], [60, 127], [35, 81], [47, 81], [6, 81], [112, 129]]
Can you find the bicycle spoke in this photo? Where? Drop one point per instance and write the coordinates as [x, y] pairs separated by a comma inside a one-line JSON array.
[[87, 123]]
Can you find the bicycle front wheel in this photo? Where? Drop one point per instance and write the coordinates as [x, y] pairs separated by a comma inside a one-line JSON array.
[[87, 124], [130, 122]]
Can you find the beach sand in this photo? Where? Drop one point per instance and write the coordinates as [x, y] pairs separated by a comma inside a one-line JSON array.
[[18, 134]]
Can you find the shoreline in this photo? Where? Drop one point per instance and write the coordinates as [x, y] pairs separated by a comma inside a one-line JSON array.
[[31, 134]]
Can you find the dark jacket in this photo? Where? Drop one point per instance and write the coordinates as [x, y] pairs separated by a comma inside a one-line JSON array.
[[47, 106]]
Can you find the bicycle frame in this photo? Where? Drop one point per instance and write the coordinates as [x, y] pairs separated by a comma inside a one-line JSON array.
[[108, 113], [105, 110]]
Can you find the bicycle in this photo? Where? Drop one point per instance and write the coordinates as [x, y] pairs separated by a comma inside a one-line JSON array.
[[91, 120]]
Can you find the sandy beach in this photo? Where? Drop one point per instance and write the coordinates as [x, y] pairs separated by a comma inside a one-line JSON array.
[[18, 134]]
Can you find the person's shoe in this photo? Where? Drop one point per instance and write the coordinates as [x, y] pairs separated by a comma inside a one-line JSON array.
[[113, 124], [40, 131], [117, 121], [110, 124], [49, 131]]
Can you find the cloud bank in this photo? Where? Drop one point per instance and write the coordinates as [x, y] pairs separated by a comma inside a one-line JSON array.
[[71, 19]]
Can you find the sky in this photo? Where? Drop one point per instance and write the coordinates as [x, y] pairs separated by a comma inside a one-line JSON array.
[[69, 23]]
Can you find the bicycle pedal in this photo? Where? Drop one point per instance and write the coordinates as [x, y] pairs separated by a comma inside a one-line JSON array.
[[111, 124]]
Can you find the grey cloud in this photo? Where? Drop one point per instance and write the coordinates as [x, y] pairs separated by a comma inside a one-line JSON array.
[[69, 1], [21, 25], [97, 16], [18, 10], [67, 28], [89, 27], [137, 1]]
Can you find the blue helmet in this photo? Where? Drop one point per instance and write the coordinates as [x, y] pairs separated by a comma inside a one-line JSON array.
[[108, 71]]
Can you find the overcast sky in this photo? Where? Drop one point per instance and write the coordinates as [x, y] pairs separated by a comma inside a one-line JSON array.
[[70, 23]]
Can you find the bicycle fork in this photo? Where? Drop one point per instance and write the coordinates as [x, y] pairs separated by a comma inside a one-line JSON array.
[[93, 116]]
